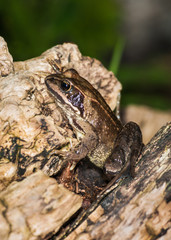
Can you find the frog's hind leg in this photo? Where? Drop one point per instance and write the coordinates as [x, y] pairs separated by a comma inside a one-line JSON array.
[[136, 144], [127, 148]]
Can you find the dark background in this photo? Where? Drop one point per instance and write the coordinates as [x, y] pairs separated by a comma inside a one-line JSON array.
[[130, 37]]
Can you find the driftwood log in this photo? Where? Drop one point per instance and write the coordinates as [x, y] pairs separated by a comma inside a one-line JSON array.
[[33, 205], [138, 208], [144, 116], [35, 208], [30, 123]]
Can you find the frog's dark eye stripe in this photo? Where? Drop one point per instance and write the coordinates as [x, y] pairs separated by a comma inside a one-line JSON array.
[[65, 86]]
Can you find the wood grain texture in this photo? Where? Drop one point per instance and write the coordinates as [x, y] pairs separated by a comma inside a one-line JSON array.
[[138, 208], [35, 208], [31, 124]]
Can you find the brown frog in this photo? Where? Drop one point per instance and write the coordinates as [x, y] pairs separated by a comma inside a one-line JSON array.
[[108, 144]]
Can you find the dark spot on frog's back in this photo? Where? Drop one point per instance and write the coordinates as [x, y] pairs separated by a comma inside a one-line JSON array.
[[77, 100]]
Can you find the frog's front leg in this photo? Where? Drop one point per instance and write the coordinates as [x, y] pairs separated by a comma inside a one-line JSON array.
[[87, 139], [127, 148]]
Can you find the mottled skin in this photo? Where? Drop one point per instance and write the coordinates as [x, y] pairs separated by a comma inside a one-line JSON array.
[[108, 144]]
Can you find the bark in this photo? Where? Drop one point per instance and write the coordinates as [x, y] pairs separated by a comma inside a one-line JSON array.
[[144, 116], [35, 208], [30, 123], [31, 126], [6, 60], [138, 208]]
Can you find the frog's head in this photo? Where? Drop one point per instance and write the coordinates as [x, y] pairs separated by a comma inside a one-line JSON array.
[[68, 96], [72, 92]]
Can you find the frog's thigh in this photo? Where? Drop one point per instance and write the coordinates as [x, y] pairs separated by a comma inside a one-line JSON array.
[[126, 150]]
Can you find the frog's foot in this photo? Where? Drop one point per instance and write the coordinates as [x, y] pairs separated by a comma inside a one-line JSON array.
[[61, 158], [127, 148]]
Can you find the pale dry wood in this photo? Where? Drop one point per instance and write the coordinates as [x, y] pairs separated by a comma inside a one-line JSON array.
[[144, 116], [31, 125], [6, 60], [35, 208], [139, 208]]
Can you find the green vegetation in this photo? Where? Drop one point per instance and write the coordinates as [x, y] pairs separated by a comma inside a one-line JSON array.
[[32, 26], [146, 83]]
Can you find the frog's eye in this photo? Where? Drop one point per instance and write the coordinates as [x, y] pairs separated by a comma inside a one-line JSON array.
[[65, 86]]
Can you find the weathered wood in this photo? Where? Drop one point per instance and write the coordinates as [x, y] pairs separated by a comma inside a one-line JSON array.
[[35, 208], [138, 208], [30, 127], [144, 116], [6, 60], [30, 123]]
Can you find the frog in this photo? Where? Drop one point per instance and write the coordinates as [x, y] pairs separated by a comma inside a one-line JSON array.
[[108, 144]]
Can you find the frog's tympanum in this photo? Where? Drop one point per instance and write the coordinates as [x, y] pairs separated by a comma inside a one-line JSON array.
[[108, 144]]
